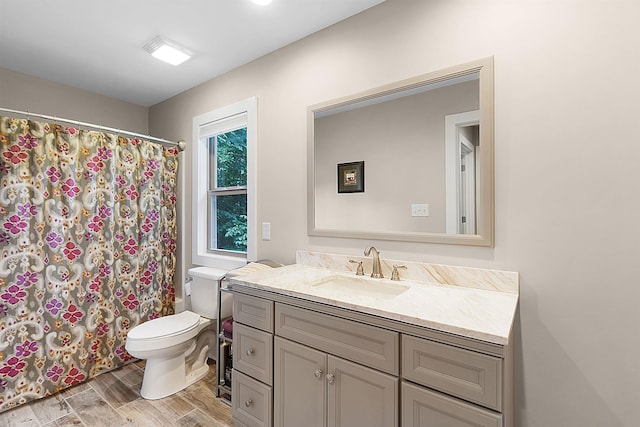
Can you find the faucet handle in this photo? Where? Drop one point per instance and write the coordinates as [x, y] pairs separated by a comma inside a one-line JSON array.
[[394, 274], [359, 270]]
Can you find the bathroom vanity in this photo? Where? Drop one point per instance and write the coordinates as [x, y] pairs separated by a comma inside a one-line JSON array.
[[316, 345]]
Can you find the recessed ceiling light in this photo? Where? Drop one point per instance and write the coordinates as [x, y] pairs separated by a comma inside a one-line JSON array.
[[167, 51], [261, 2]]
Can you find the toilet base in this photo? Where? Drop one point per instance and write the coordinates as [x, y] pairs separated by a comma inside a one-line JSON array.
[[200, 369], [166, 376], [183, 366], [163, 377]]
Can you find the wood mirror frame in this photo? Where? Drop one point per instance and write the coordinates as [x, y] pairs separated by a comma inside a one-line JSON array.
[[484, 233]]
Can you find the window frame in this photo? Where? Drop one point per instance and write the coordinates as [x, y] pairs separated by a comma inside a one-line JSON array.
[[202, 124]]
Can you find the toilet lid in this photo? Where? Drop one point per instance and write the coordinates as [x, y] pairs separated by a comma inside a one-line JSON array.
[[165, 326]]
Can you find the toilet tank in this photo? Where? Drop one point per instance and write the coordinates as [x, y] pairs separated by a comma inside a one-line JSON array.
[[204, 292]]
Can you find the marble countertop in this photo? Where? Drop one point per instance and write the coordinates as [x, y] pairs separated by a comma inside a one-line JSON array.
[[481, 314]]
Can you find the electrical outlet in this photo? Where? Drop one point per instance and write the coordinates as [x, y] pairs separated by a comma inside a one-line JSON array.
[[420, 209]]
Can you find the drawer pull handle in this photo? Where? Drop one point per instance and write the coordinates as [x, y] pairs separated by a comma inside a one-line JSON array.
[[248, 403], [250, 352], [318, 373], [330, 378]]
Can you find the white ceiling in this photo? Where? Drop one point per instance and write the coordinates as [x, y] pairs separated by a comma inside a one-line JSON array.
[[98, 45]]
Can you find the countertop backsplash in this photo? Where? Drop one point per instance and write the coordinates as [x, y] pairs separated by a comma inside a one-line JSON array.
[[468, 277]]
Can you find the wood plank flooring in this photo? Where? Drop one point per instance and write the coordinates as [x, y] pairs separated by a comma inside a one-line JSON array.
[[113, 399]]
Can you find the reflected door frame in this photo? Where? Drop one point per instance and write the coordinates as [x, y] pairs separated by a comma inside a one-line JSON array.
[[460, 187]]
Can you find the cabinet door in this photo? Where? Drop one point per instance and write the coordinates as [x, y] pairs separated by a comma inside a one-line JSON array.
[[422, 407], [299, 385], [359, 396]]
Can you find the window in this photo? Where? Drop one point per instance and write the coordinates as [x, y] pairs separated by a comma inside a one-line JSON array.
[[227, 223], [224, 186]]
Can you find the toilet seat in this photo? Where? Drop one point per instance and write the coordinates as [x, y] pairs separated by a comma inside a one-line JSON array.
[[164, 327], [164, 332]]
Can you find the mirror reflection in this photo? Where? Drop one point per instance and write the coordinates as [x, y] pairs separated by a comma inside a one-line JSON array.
[[424, 147]]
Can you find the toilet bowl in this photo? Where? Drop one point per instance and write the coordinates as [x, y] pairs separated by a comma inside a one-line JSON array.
[[176, 347]]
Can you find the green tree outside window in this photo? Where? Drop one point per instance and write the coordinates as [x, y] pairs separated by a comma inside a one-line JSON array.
[[230, 190]]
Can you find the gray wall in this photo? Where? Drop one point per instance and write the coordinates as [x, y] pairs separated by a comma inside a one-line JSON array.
[[566, 83], [402, 143], [27, 93]]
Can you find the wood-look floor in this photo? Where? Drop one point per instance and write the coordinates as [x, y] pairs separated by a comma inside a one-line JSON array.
[[113, 399]]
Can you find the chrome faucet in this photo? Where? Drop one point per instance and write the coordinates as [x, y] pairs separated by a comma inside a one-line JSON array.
[[376, 272]]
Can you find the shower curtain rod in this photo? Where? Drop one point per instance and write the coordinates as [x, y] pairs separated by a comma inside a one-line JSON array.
[[180, 144]]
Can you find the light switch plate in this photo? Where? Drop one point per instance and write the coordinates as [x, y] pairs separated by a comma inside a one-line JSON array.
[[420, 209], [266, 231]]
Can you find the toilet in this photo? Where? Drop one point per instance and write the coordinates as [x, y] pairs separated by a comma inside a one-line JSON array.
[[176, 347]]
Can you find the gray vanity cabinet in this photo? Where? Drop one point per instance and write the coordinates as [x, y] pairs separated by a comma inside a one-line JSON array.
[[315, 389], [300, 363]]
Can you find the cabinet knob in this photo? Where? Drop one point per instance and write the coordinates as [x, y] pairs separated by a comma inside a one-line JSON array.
[[318, 373], [250, 352], [330, 378], [248, 403]]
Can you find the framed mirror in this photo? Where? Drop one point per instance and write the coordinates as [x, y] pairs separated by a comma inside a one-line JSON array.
[[426, 144]]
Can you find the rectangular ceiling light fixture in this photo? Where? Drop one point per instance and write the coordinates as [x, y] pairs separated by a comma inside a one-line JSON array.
[[167, 51]]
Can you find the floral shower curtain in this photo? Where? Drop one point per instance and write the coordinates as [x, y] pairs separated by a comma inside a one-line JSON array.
[[87, 242]]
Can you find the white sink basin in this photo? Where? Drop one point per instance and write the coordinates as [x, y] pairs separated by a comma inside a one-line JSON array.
[[360, 286]]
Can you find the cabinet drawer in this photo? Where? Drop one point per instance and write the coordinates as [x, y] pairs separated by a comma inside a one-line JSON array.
[[251, 401], [365, 344], [253, 311], [253, 352], [426, 408], [463, 373]]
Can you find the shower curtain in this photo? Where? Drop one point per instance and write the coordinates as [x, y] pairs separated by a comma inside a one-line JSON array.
[[87, 243]]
